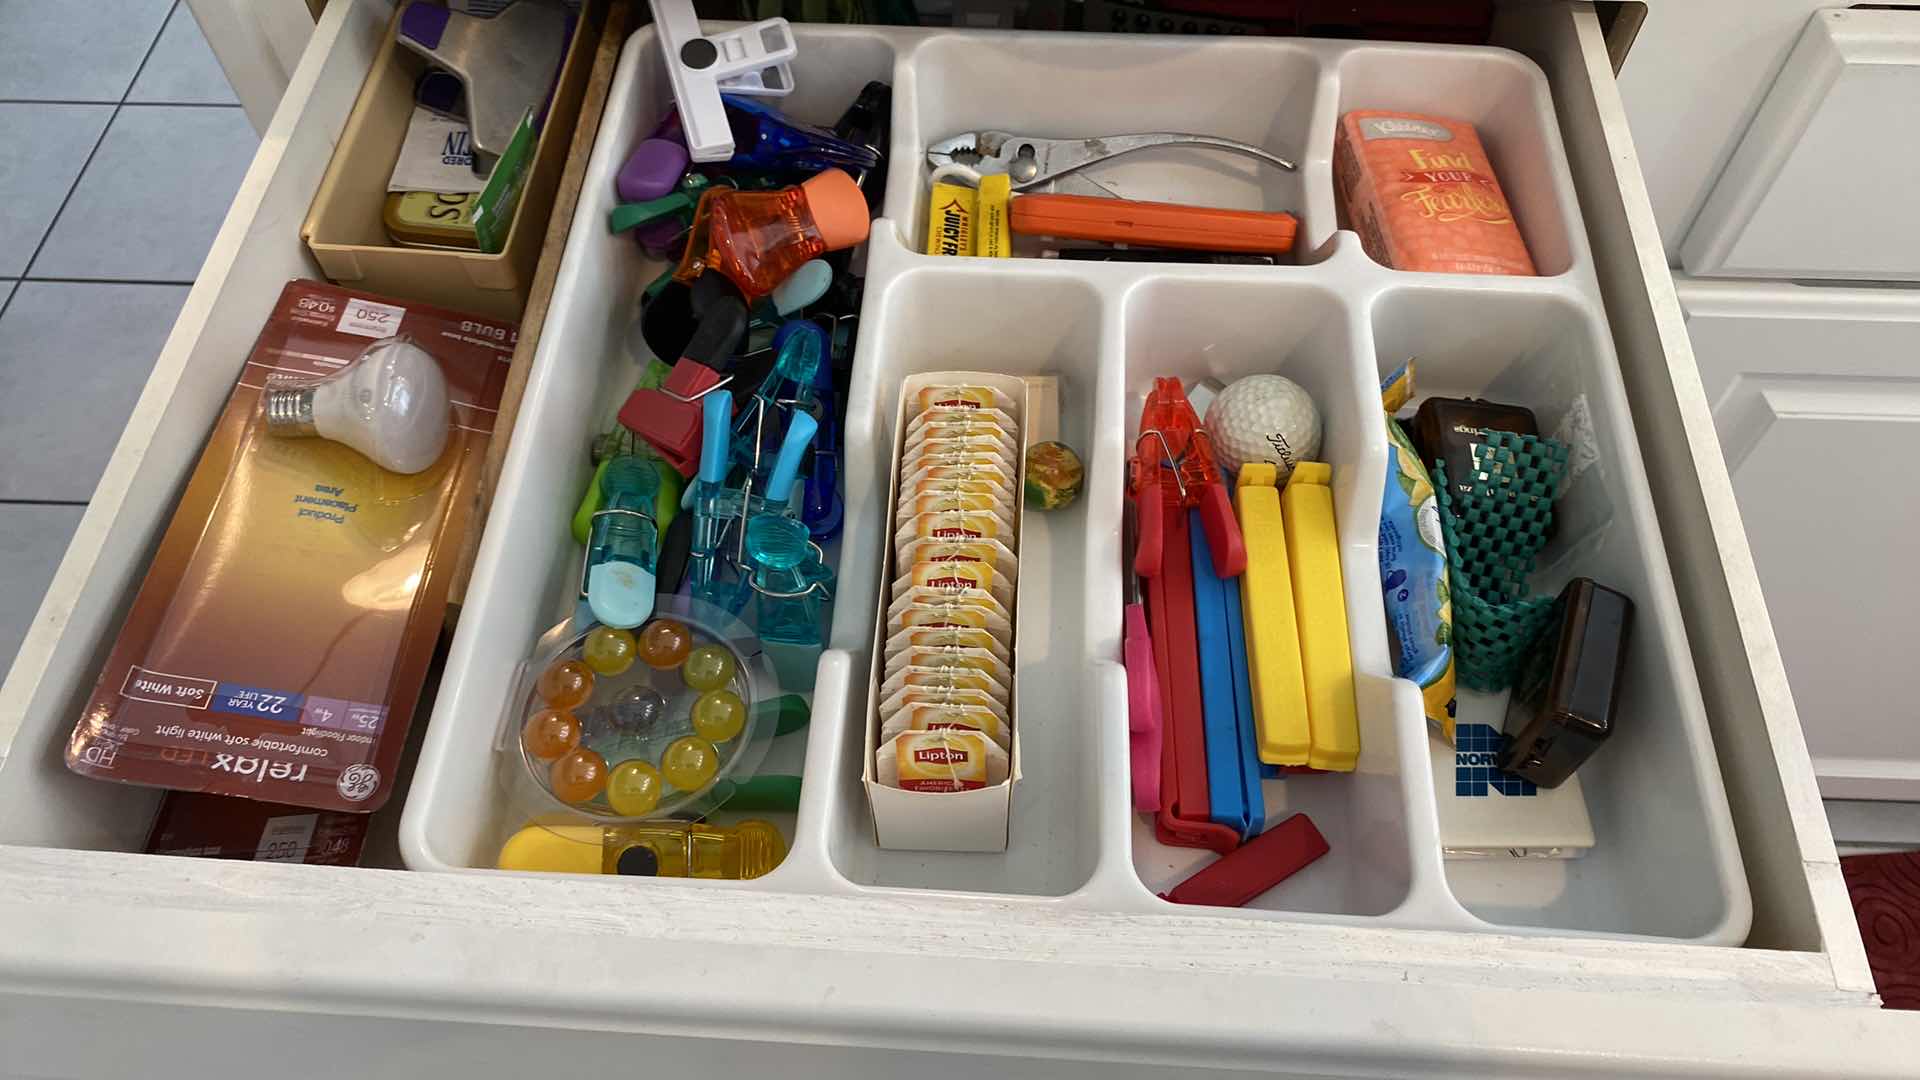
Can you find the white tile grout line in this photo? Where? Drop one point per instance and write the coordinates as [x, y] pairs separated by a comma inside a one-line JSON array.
[[98, 281], [129, 104], [27, 274]]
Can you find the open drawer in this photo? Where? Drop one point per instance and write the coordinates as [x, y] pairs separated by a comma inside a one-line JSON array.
[[849, 957]]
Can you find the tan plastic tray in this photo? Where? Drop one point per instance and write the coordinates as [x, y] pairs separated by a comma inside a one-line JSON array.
[[346, 228]]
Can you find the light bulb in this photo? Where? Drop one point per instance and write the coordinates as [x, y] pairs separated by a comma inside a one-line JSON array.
[[390, 404]]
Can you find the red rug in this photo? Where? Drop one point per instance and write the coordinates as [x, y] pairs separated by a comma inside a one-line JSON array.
[[1886, 901]]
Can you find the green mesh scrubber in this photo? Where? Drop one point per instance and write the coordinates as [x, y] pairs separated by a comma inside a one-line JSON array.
[[1493, 531]]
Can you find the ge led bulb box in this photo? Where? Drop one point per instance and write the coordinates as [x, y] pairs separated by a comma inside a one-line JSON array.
[[279, 641]]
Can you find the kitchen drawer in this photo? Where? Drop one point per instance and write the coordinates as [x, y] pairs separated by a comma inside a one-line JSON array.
[[214, 967]]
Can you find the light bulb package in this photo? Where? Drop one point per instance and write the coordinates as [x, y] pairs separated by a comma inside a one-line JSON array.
[[279, 642]]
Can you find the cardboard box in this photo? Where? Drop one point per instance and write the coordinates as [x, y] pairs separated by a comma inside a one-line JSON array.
[[286, 624], [1487, 813], [346, 228], [218, 827], [963, 820]]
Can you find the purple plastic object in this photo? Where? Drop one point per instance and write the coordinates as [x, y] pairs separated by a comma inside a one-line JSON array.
[[661, 235], [669, 128], [424, 23], [651, 171]]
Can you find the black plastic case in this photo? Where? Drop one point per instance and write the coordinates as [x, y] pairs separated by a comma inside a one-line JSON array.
[[1562, 704], [1452, 429]]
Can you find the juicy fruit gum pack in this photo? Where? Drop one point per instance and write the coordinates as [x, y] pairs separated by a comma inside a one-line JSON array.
[[1422, 194]]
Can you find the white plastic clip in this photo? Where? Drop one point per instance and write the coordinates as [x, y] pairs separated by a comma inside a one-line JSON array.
[[751, 60]]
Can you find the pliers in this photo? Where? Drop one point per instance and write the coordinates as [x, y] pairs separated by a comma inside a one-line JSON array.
[[1030, 162]]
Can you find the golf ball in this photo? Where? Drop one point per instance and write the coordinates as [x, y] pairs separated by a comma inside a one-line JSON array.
[[1264, 418]]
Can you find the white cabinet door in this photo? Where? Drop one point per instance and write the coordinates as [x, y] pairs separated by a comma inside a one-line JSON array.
[[1823, 183], [1816, 394]]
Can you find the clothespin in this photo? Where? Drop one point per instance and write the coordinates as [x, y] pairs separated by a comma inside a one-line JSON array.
[[1185, 456], [1171, 471]]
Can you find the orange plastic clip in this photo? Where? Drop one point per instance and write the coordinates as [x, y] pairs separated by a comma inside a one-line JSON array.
[[1173, 446]]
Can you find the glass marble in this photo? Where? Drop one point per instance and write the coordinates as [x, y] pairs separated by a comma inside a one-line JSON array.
[[708, 667], [690, 763], [719, 715], [550, 733], [578, 775], [664, 643], [634, 788], [610, 650], [565, 684], [638, 710]]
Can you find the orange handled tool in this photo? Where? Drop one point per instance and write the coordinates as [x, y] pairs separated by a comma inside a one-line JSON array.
[[1167, 225]]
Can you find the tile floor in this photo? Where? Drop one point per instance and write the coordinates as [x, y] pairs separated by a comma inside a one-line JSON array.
[[124, 147]]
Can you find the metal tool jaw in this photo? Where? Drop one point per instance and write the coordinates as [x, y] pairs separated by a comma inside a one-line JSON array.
[[1031, 162]]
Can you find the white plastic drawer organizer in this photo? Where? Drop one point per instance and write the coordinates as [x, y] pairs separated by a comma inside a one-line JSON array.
[[1665, 863]]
